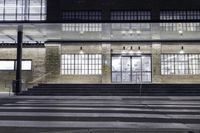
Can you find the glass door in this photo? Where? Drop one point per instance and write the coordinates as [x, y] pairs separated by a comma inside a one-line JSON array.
[[146, 69], [126, 69], [131, 69], [136, 70], [116, 69]]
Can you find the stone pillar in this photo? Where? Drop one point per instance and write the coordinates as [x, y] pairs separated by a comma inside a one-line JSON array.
[[156, 53], [106, 65], [156, 63], [52, 61]]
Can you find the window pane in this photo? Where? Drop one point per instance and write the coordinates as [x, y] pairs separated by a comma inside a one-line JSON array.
[[180, 15], [81, 64], [116, 63], [82, 15], [26, 65], [23, 10], [7, 65], [180, 64], [130, 15]]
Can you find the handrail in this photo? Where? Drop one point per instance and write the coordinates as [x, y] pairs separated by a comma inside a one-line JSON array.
[[35, 81], [40, 78]]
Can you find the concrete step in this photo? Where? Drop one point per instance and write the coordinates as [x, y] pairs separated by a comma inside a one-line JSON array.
[[142, 114]]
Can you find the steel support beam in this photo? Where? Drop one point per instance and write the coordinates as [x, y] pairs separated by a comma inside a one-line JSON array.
[[19, 60]]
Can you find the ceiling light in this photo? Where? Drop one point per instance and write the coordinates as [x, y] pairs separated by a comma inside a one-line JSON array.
[[180, 32], [139, 51], [138, 32], [182, 50], [123, 32], [124, 50], [111, 35], [81, 50], [130, 32], [81, 32], [131, 51], [111, 51]]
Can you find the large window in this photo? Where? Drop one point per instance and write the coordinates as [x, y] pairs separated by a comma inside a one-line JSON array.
[[131, 26], [82, 15], [180, 26], [81, 64], [180, 15], [180, 64], [89, 27], [12, 65], [20, 10], [130, 15]]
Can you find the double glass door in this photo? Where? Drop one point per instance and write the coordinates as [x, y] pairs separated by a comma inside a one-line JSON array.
[[131, 69]]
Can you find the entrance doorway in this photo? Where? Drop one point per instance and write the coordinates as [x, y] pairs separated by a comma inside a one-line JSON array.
[[131, 69]]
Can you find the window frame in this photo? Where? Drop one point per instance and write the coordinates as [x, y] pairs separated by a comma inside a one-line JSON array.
[[15, 64], [78, 66], [180, 14], [130, 15], [82, 15], [180, 67], [23, 10]]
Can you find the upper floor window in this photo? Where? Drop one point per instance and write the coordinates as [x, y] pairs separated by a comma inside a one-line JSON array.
[[180, 15], [130, 15], [82, 15], [88, 27], [180, 26], [20, 10]]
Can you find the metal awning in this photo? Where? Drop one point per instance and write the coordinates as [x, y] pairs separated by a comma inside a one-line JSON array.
[[42, 32]]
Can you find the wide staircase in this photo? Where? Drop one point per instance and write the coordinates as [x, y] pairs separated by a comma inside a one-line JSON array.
[[99, 114], [114, 90]]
